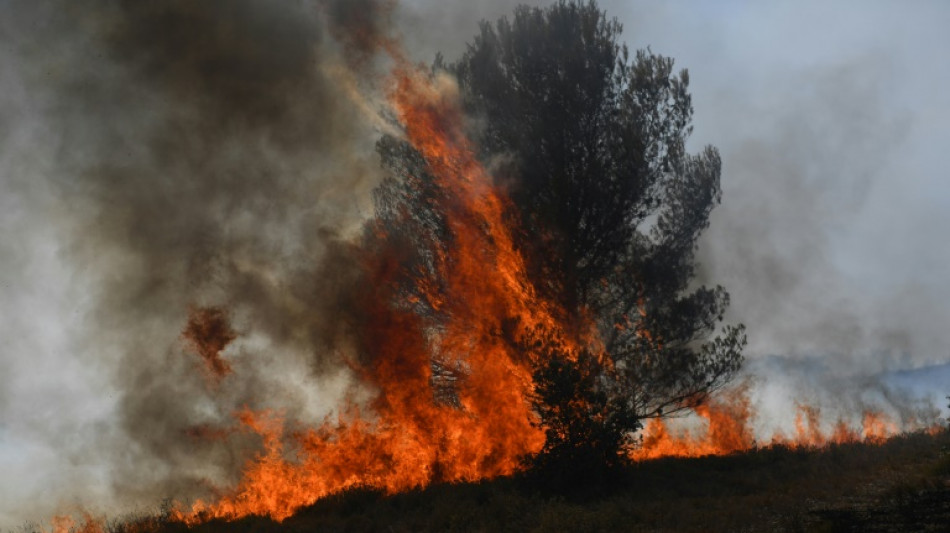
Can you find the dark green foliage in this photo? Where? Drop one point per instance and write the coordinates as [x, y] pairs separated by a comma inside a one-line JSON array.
[[607, 205], [587, 428]]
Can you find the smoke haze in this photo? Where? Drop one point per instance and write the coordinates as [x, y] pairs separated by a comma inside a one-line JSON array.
[[829, 119], [158, 157], [161, 157]]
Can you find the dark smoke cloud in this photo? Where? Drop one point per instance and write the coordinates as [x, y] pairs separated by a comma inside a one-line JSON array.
[[247, 159], [448, 26], [360, 25], [191, 154]]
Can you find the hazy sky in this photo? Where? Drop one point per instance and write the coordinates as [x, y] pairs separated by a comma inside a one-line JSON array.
[[831, 118]]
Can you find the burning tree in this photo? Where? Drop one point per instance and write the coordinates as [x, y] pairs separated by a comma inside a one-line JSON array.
[[605, 207]]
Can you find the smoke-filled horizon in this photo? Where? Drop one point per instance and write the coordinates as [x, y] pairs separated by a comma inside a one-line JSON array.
[[155, 158]]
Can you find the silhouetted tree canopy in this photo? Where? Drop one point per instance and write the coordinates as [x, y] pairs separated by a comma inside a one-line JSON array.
[[589, 144]]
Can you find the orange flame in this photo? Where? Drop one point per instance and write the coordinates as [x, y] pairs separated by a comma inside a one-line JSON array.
[[67, 524], [877, 427], [728, 429], [411, 439]]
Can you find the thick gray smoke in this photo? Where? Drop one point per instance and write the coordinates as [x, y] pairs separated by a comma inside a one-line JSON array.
[[158, 157], [161, 157]]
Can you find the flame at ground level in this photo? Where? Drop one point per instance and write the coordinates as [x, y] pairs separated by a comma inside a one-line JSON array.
[[297, 468], [727, 426], [67, 524]]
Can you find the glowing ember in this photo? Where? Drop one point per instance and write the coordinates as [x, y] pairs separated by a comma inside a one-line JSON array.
[[208, 333]]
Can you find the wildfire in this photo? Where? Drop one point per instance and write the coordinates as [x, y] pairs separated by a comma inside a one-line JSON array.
[[728, 428], [405, 438], [67, 524], [409, 439], [208, 332]]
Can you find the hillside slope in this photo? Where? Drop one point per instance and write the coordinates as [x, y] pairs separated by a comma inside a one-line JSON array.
[[900, 485]]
